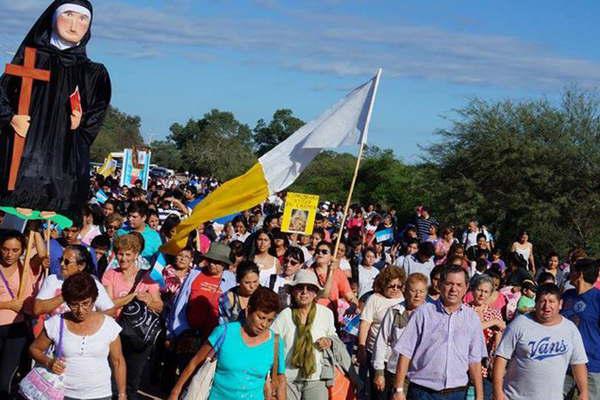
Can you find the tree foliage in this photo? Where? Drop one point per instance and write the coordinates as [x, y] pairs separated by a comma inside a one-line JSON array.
[[530, 165], [118, 132], [382, 179], [217, 145], [280, 128], [166, 154]]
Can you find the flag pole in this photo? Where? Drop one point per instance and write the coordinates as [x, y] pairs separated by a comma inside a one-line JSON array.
[[357, 166]]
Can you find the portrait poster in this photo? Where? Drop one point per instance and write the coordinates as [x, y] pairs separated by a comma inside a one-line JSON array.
[[299, 213]]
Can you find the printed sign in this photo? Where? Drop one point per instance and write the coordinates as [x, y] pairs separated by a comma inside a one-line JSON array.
[[299, 213], [384, 235], [136, 165]]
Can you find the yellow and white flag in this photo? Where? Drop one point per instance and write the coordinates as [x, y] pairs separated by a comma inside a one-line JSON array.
[[346, 123]]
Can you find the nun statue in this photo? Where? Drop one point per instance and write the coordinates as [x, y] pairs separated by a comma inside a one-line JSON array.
[[53, 174]]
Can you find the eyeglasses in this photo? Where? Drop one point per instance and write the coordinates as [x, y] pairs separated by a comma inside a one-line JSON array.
[[290, 261], [413, 291], [322, 252], [111, 227], [397, 287], [85, 305]]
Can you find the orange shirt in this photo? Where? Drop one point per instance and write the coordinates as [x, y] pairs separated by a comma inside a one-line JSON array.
[[339, 288]]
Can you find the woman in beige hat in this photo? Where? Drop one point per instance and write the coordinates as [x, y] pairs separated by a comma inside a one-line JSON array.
[[306, 328]]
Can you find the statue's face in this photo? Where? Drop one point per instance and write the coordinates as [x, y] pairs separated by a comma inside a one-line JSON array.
[[72, 26]]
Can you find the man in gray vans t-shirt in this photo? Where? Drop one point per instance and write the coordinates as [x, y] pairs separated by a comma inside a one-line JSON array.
[[538, 348]]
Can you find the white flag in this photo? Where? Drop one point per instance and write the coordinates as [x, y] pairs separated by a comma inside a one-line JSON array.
[[346, 123]]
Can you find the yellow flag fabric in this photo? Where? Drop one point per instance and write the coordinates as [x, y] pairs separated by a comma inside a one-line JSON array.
[[344, 123], [235, 195]]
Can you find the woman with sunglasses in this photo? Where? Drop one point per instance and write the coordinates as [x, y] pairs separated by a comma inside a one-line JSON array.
[[89, 340], [13, 328], [387, 288], [293, 259], [306, 329], [333, 280], [384, 358], [112, 224], [49, 300]]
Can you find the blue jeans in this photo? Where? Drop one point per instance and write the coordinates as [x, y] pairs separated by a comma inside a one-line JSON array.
[[488, 389], [416, 393]]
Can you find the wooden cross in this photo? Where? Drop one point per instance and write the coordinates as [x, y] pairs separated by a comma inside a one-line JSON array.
[[28, 73]]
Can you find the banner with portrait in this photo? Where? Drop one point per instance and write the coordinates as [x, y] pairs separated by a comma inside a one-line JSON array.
[[299, 213]]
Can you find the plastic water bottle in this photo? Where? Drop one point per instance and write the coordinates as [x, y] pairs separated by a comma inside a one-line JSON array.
[[471, 393]]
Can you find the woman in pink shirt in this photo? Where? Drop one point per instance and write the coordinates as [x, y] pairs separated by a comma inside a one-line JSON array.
[[14, 303], [442, 246], [118, 283]]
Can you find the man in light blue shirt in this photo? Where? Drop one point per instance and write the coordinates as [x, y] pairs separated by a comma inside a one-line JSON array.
[[440, 344], [137, 213]]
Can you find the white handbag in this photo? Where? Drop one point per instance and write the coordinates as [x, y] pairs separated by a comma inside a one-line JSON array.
[[42, 384], [199, 387], [201, 383]]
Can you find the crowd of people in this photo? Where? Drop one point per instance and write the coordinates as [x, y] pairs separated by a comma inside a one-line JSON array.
[[398, 310]]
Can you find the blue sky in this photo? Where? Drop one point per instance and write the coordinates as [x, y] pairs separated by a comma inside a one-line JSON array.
[[172, 60]]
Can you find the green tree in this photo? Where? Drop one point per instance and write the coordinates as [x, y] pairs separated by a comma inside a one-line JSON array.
[[386, 180], [280, 128], [218, 145], [524, 165], [382, 179], [328, 175], [166, 154], [119, 131]]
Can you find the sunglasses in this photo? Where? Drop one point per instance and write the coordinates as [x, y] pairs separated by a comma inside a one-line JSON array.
[[303, 287], [290, 261], [63, 260], [394, 287], [322, 252]]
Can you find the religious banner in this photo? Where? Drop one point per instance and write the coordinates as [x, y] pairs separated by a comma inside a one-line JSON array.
[[299, 213], [136, 165]]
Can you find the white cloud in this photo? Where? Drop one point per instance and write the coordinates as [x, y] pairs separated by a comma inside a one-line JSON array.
[[326, 43]]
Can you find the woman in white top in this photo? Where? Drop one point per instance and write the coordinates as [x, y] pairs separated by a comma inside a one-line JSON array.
[[367, 271], [49, 299], [240, 229], [342, 259], [388, 287], [306, 328], [263, 256], [92, 218], [384, 358], [89, 340], [525, 248]]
